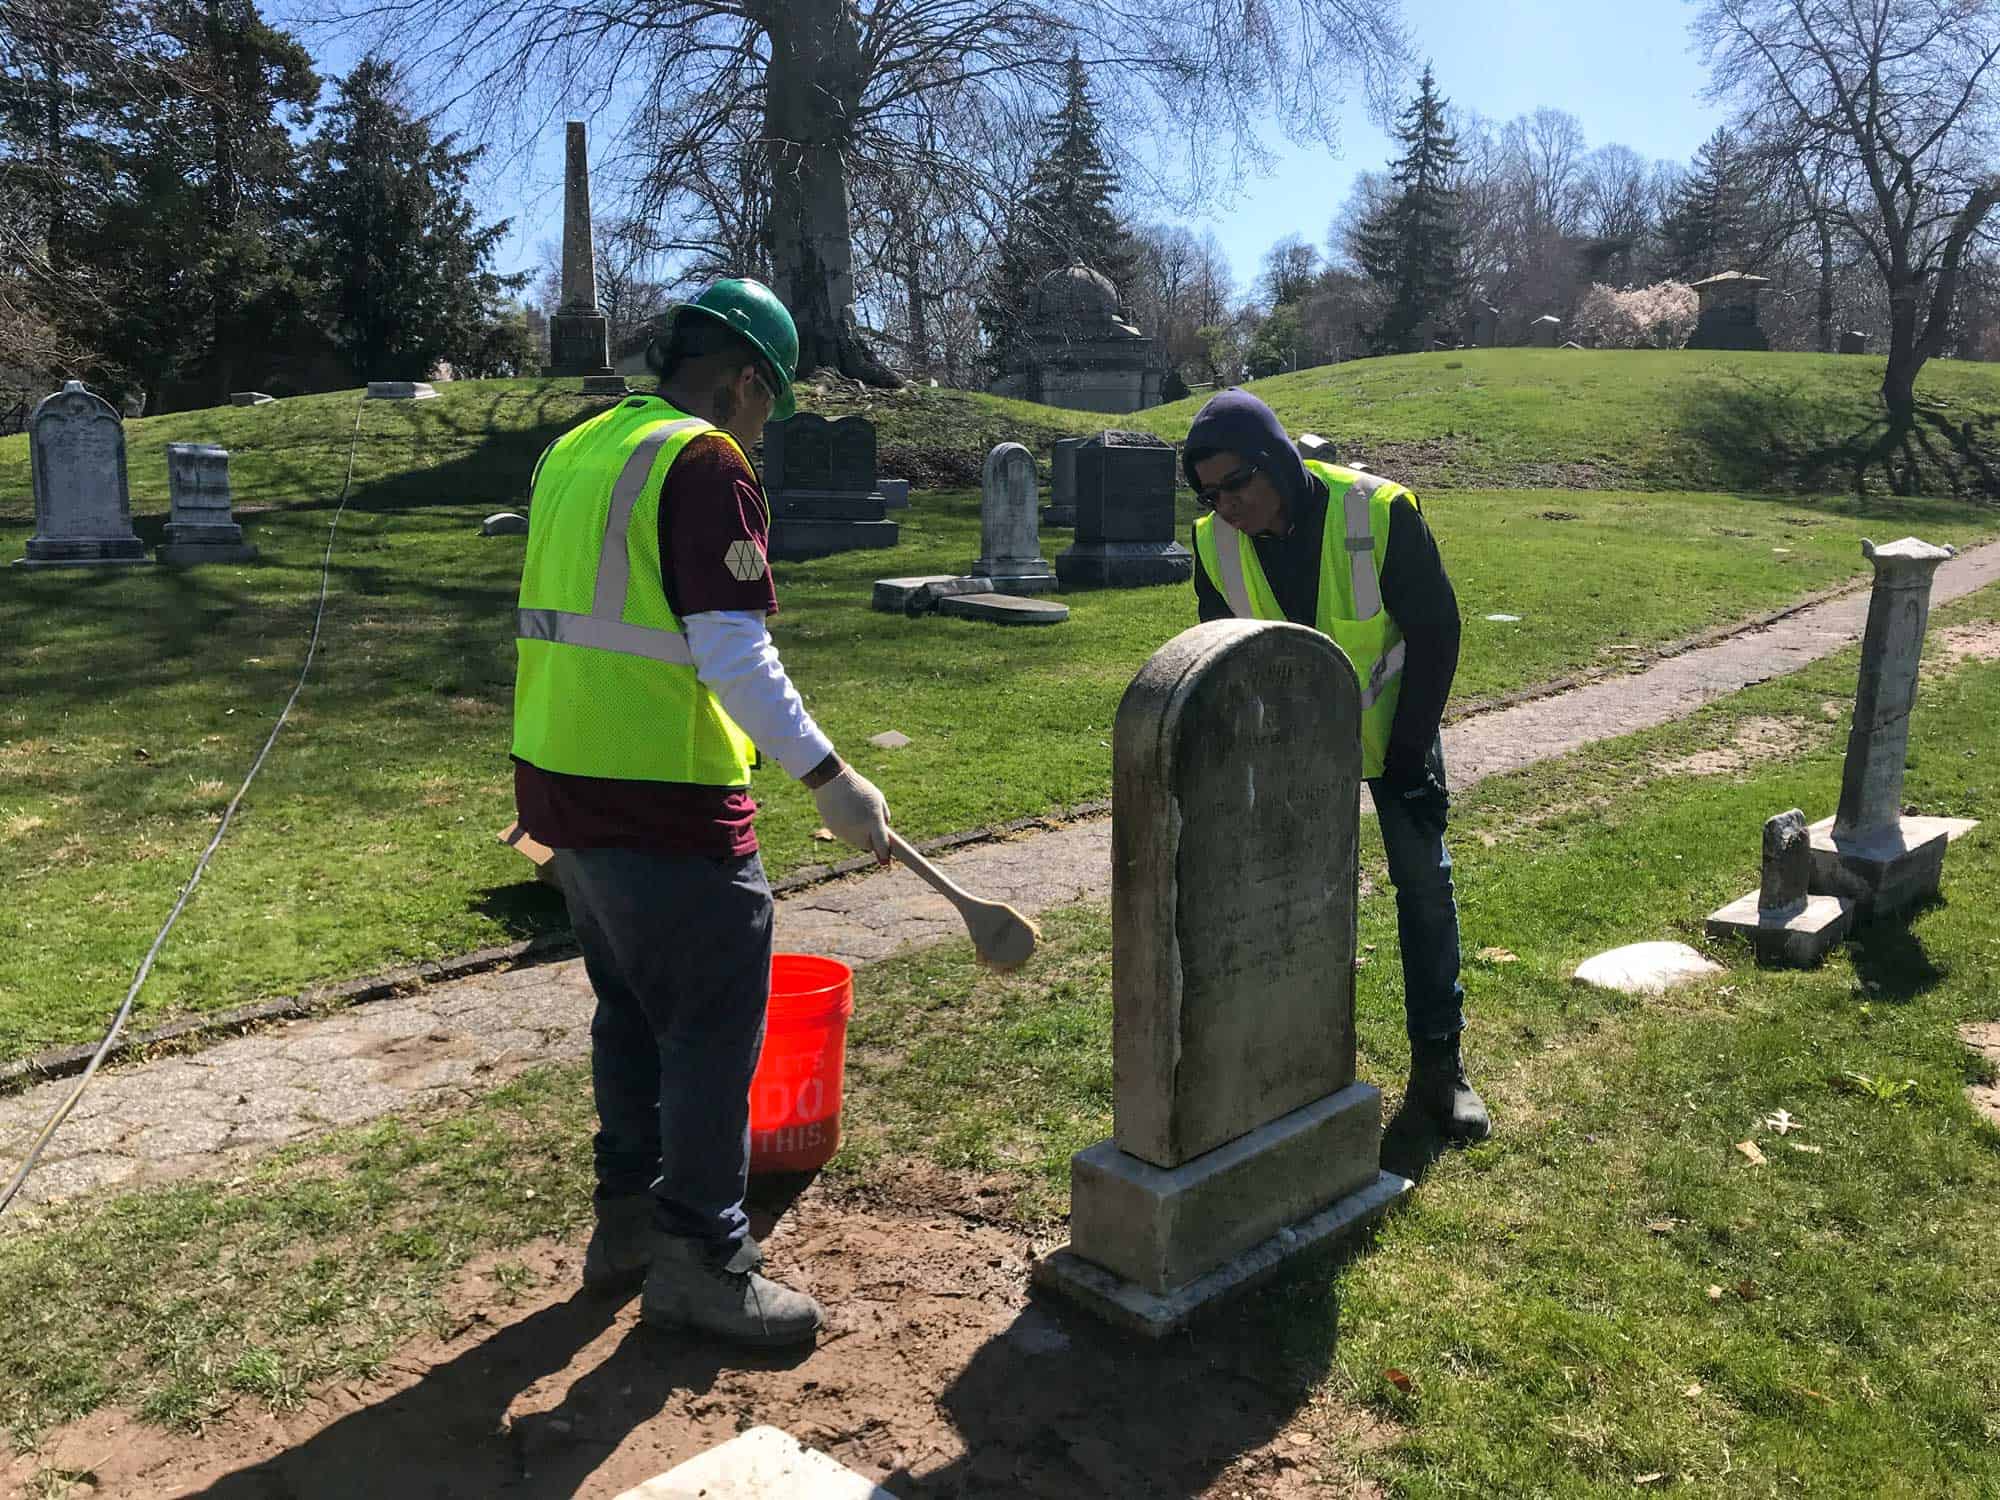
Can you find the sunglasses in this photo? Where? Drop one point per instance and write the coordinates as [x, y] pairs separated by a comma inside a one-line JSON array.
[[1230, 484]]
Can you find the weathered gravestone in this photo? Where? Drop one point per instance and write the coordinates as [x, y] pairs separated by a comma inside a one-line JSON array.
[[1010, 539], [1869, 851], [895, 493], [1854, 341], [820, 477], [1061, 509], [1782, 920], [1545, 332], [1241, 1134], [1485, 326], [1124, 516], [200, 528], [83, 509]]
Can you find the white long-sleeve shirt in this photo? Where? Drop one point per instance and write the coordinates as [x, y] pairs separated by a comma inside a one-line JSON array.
[[735, 658]]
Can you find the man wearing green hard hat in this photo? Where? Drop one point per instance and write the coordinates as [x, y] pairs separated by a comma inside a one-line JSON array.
[[646, 689]]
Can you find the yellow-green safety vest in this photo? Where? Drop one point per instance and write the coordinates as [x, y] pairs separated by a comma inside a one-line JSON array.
[[604, 682], [1350, 590]]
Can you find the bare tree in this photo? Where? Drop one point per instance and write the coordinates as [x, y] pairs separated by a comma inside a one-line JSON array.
[[830, 84], [1290, 268], [1891, 105]]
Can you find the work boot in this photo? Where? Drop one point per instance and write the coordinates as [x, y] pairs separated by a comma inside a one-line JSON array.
[[689, 1287], [621, 1247], [1439, 1088]]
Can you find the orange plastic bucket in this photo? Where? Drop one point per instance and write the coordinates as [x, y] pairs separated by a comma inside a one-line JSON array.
[[795, 1095]]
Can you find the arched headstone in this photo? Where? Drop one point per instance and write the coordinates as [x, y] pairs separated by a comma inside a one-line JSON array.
[[83, 509], [1010, 538]]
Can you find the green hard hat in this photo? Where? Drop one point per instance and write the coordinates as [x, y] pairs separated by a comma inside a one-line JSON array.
[[753, 310]]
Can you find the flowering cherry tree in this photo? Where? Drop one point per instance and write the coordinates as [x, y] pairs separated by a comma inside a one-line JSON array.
[[1649, 317]]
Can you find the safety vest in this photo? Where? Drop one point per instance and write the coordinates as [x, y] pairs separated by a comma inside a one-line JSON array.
[[1350, 590], [604, 683]]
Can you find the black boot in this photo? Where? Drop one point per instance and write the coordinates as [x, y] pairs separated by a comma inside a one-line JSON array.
[[1438, 1087]]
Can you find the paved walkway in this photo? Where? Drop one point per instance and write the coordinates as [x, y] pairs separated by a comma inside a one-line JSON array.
[[176, 1117]]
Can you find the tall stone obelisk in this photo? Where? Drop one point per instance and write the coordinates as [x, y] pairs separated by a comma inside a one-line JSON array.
[[579, 333]]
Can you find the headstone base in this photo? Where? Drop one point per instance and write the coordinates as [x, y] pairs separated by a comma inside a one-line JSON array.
[[1887, 870], [1163, 1227], [1124, 565], [796, 538], [1018, 575], [1156, 1315], [401, 390], [192, 554], [1003, 609], [98, 554], [1795, 940], [921, 595], [605, 385]]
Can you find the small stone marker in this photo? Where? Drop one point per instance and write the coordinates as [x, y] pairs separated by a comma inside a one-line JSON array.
[[1854, 341], [250, 398], [1868, 851], [400, 390], [1009, 532], [504, 523], [200, 528], [83, 509], [1124, 516], [1783, 922], [763, 1463], [1242, 1137], [889, 739], [1061, 509], [1003, 609], [1545, 332], [1505, 619], [1645, 968], [920, 595], [895, 493]]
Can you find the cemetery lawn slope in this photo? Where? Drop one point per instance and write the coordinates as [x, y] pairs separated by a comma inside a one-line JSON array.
[[1640, 419], [1477, 418], [131, 705], [1607, 1293]]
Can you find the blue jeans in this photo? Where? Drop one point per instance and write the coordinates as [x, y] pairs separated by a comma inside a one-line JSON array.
[[1426, 911], [678, 949]]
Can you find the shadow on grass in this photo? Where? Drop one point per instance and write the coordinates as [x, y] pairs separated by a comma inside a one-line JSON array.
[[526, 909], [1890, 959], [1773, 433]]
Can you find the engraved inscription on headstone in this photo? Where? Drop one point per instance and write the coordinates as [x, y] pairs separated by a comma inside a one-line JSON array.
[[1241, 1135], [820, 477], [83, 511], [200, 528], [1124, 516]]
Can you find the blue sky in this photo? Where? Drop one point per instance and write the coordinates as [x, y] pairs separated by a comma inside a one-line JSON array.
[[1624, 70]]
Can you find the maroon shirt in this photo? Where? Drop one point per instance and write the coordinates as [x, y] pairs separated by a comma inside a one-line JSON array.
[[709, 499]]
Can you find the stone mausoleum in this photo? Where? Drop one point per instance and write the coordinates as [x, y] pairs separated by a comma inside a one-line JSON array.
[[1078, 353], [1728, 316]]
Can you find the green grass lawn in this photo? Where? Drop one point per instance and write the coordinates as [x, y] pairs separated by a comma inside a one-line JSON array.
[[1607, 1293], [131, 704]]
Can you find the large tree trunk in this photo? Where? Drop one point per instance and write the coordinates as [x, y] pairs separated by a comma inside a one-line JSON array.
[[913, 294], [812, 91], [1917, 332], [1823, 313]]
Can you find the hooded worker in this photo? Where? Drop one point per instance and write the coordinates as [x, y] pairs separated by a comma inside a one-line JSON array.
[[1285, 537], [647, 688]]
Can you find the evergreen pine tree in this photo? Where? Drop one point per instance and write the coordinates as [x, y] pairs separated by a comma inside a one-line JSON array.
[[1413, 246], [400, 258], [1710, 226], [1065, 218]]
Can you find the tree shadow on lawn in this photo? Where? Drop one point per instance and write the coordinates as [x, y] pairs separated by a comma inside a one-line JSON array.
[[527, 909], [1766, 435]]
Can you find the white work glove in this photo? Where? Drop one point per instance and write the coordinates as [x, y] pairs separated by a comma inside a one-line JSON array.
[[854, 812]]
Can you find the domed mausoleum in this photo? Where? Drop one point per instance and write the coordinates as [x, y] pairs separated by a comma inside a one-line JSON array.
[[1078, 353]]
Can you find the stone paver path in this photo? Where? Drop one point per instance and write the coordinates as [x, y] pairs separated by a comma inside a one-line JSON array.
[[179, 1116]]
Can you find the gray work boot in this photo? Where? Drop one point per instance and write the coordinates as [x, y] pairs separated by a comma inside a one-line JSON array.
[[689, 1288], [1438, 1087], [621, 1247]]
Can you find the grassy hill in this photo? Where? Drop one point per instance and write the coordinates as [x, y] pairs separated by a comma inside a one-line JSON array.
[[1480, 418]]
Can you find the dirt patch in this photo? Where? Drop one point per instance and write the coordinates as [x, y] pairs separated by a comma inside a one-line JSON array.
[[1983, 1037], [1755, 741], [1963, 643], [937, 1378]]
